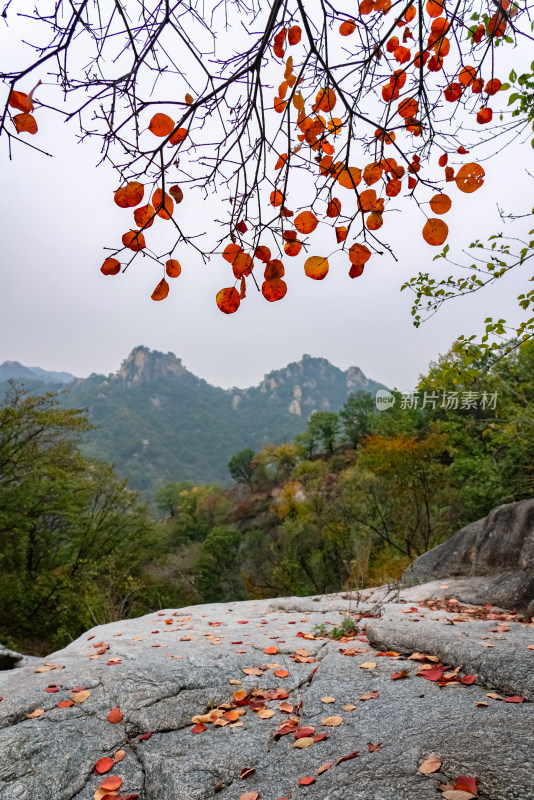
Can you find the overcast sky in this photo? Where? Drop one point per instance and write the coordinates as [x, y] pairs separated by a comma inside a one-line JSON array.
[[57, 310]]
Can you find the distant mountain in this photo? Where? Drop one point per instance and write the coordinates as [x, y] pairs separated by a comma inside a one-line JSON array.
[[13, 369], [158, 422]]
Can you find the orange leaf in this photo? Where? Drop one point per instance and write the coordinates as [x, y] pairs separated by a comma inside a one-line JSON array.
[[435, 232], [341, 233], [493, 86], [334, 208], [231, 251], [173, 268], [347, 27], [270, 651], [372, 173], [281, 161], [277, 198], [367, 200], [112, 782], [325, 100], [178, 136], [359, 254], [110, 267], [469, 178], [306, 781], [274, 269], [292, 248], [281, 673], [161, 291], [263, 253], [163, 204], [294, 34], [306, 222], [161, 125], [348, 178], [134, 240], [103, 765], [242, 265], [408, 107], [144, 216], [440, 203], [483, 117], [316, 267], [274, 289], [22, 102], [228, 300], [467, 75], [25, 123], [130, 195], [114, 715], [188, 99], [434, 8]]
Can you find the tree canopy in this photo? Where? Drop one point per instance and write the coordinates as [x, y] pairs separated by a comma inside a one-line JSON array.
[[311, 122]]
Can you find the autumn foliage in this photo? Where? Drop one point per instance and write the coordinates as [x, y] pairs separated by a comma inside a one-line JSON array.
[[362, 97]]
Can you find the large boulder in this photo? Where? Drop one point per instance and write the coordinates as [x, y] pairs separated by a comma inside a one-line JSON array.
[[496, 553], [163, 669]]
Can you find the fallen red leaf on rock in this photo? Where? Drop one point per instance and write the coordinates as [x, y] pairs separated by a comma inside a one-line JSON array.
[[468, 679], [246, 772], [281, 673], [144, 737], [341, 759], [103, 765], [200, 728], [114, 715], [306, 781], [466, 784], [514, 699]]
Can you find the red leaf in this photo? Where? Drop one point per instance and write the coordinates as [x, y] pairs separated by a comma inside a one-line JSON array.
[[144, 737], [514, 699], [103, 765], [200, 728], [306, 781], [347, 758], [114, 715], [468, 679]]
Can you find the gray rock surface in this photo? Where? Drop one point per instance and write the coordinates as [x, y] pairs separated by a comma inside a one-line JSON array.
[[498, 550], [166, 667]]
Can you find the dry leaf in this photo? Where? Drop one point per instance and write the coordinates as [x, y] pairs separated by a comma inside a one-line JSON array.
[[235, 682], [457, 794], [266, 713], [369, 695], [37, 713], [119, 756], [249, 796], [349, 708], [252, 671], [324, 767], [304, 742], [430, 764], [332, 722], [482, 705], [328, 699], [81, 697], [368, 665]]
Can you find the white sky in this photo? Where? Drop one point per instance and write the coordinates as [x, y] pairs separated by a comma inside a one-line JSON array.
[[57, 310]]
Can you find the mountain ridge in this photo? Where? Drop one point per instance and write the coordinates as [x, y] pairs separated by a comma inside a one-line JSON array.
[[159, 422]]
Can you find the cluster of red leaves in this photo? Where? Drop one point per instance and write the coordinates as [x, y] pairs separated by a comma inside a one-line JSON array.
[[161, 205]]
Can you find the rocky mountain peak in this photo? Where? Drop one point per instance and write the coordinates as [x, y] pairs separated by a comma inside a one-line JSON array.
[[145, 366]]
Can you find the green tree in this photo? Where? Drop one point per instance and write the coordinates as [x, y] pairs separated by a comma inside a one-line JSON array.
[[356, 416], [241, 466], [326, 426], [71, 533], [218, 566]]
